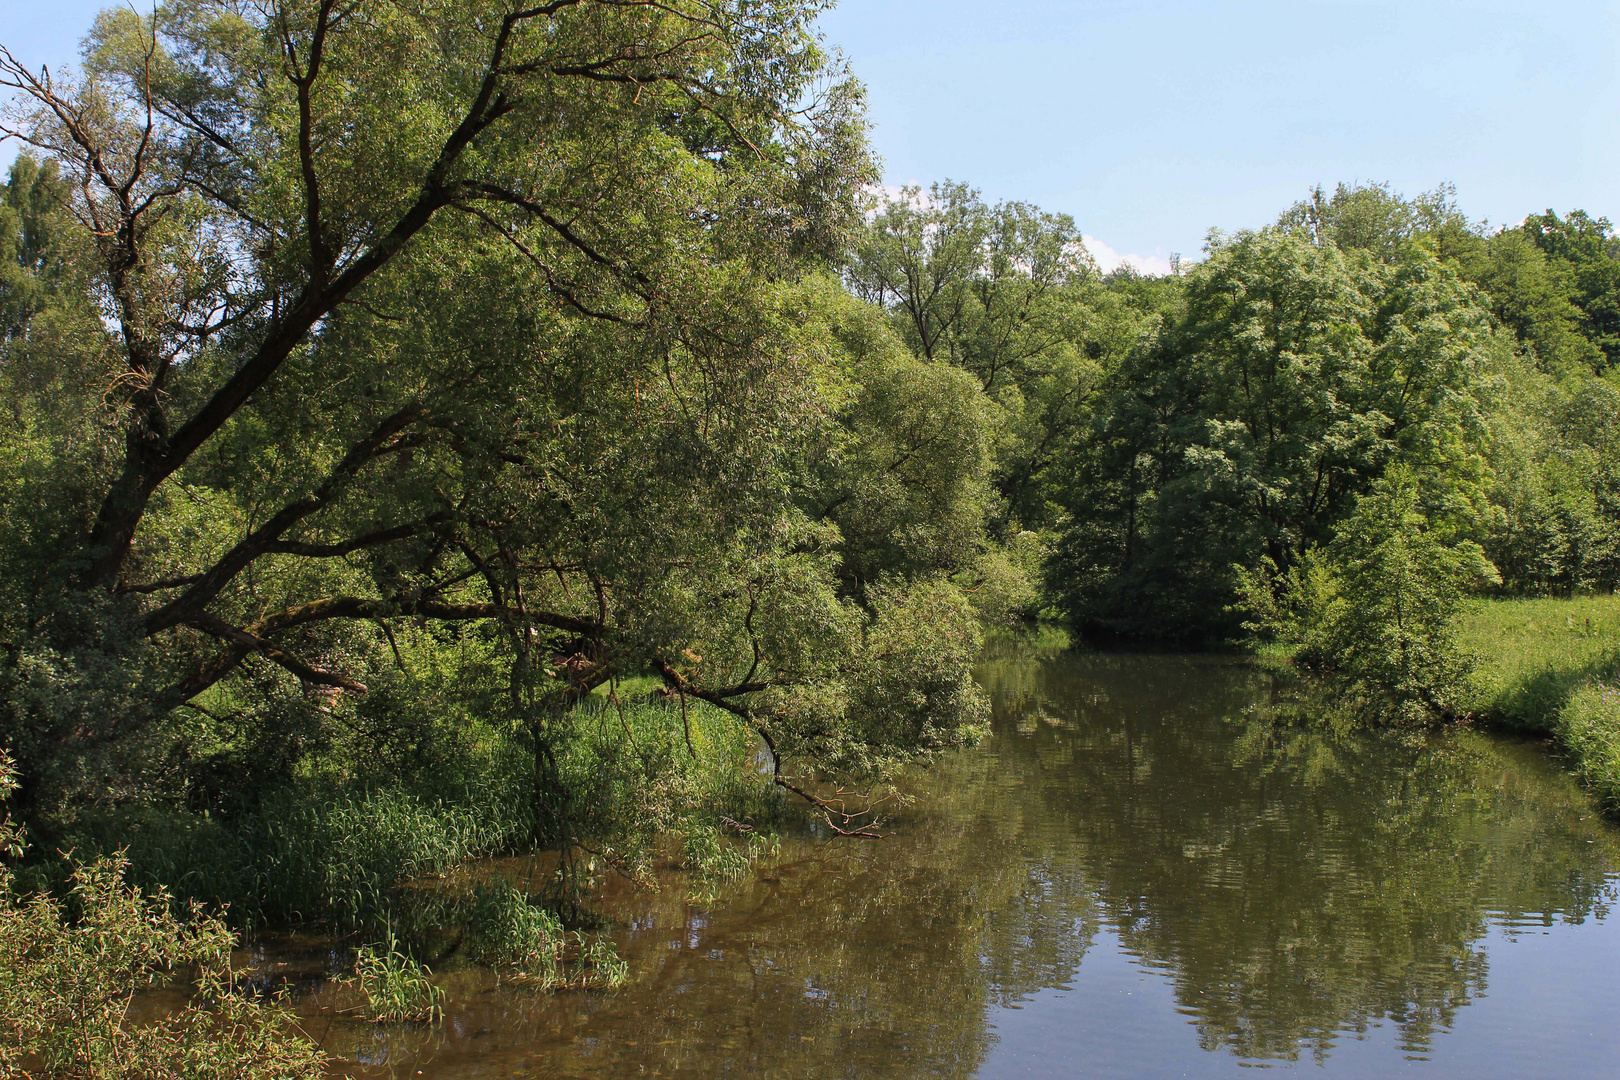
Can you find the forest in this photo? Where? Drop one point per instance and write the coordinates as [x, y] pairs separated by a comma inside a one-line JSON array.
[[449, 432]]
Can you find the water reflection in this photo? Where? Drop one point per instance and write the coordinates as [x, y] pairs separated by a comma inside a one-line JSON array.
[[1296, 885], [1291, 887]]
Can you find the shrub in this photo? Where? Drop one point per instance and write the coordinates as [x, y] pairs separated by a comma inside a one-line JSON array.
[[68, 972], [1376, 611]]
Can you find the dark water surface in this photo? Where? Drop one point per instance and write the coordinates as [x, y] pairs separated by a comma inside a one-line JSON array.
[[1136, 876]]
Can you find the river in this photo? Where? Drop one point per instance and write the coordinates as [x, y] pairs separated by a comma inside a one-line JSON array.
[[1139, 874]]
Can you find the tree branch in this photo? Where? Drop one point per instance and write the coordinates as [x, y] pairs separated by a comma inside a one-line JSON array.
[[260, 540]]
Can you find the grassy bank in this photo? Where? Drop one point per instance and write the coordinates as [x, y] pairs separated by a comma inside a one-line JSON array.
[[1550, 667]]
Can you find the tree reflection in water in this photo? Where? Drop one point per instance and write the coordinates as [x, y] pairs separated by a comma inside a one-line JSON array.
[[1293, 885]]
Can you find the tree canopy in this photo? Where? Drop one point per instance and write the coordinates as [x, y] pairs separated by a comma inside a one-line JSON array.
[[466, 336]]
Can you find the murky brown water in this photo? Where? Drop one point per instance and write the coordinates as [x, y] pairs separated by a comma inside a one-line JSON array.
[[1137, 876]]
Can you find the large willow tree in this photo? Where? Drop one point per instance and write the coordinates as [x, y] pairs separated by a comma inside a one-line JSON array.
[[374, 331]]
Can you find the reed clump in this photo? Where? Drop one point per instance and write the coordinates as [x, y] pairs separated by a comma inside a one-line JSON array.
[[398, 988]]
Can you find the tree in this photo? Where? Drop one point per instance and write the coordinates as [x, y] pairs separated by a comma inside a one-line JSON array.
[[1532, 294], [1383, 626], [999, 291], [1247, 427], [1592, 254], [469, 329], [1372, 218]]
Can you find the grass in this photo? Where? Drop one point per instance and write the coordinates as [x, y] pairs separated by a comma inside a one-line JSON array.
[[398, 989], [1551, 667], [317, 854], [1533, 655]]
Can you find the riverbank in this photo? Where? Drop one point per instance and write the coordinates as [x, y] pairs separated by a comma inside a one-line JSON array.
[[1549, 667]]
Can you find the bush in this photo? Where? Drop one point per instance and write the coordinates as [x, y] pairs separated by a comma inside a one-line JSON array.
[[68, 972], [1376, 611], [1589, 725]]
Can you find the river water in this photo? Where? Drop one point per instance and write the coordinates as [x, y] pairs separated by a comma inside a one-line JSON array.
[[1139, 874]]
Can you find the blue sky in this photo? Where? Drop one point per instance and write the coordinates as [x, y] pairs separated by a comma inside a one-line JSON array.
[[1150, 122]]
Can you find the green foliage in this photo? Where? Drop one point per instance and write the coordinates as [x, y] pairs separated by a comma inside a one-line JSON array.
[[530, 945], [1292, 377], [32, 265], [388, 860], [915, 689], [383, 457], [1589, 726], [68, 972], [1377, 609], [1000, 292], [1389, 634], [398, 989], [716, 858], [906, 475], [1554, 524], [1296, 366], [600, 962], [1532, 294], [342, 857], [1372, 218], [1589, 250], [640, 772]]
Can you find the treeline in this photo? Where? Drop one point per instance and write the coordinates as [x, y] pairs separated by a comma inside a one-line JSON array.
[[1165, 435], [1372, 405]]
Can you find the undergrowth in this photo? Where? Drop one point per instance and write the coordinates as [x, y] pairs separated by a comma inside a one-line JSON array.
[[69, 967], [366, 857]]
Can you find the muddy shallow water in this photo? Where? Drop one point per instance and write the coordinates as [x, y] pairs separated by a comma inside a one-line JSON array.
[[1136, 876]]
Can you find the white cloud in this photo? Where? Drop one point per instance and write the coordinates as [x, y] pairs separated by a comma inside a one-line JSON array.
[[1109, 260]]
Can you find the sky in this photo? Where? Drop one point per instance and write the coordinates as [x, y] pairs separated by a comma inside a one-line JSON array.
[[1151, 122]]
